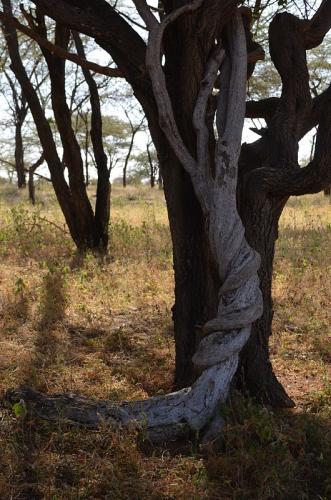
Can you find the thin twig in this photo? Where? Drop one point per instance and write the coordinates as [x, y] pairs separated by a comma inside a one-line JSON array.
[[54, 224]]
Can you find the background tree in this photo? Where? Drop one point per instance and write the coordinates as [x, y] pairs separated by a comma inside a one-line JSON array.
[[134, 129], [146, 166], [116, 138], [88, 230], [17, 107]]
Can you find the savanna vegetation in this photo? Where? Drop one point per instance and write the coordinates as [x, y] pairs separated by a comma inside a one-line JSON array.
[[101, 327], [164, 284]]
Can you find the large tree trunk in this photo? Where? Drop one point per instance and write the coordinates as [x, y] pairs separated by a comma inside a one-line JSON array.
[[32, 196], [197, 282], [196, 278], [255, 374]]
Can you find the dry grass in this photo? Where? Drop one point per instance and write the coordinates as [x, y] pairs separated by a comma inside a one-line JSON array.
[[102, 327]]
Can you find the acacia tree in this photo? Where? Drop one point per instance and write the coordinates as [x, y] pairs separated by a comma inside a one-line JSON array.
[[17, 104], [209, 178], [146, 166], [88, 228], [134, 128], [20, 110]]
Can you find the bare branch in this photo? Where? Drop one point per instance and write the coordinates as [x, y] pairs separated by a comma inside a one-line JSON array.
[[298, 181], [36, 164], [42, 177], [107, 27], [146, 14], [59, 51]]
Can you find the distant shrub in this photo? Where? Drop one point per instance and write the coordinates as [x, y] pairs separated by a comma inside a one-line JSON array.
[[147, 241], [25, 231]]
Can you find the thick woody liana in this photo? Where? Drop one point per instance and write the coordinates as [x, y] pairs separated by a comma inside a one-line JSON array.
[[196, 408]]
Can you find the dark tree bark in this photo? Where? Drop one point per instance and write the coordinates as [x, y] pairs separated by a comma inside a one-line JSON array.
[[277, 156], [102, 205], [255, 373], [84, 117], [196, 281], [31, 185]]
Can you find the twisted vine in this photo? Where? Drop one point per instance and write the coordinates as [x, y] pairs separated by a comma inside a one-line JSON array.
[[240, 302]]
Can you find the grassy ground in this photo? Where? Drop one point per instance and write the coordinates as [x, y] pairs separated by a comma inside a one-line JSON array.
[[102, 327]]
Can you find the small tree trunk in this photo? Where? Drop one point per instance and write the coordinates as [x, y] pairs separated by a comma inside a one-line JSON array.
[[152, 179], [127, 158], [151, 167], [102, 210], [159, 180], [19, 156], [87, 179], [31, 187]]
